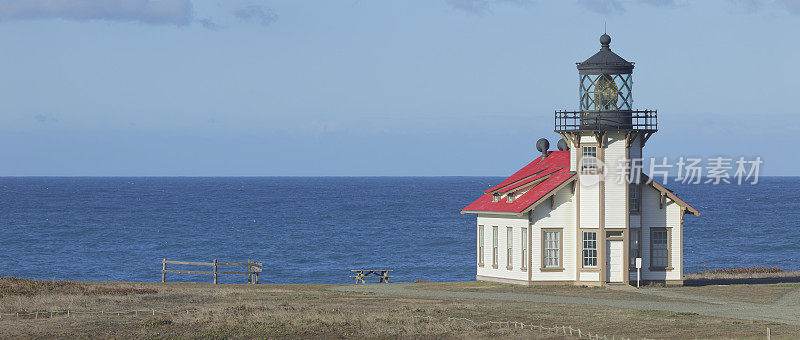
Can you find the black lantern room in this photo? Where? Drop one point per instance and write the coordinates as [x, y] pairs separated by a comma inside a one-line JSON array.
[[605, 96], [605, 80]]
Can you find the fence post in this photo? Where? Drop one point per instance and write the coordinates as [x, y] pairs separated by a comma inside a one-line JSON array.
[[164, 270], [249, 271], [215, 271]]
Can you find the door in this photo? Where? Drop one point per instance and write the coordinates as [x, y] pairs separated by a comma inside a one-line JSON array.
[[614, 260]]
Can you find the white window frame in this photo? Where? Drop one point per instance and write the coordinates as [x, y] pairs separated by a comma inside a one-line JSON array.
[[552, 248], [589, 250], [509, 248], [524, 257], [480, 245], [494, 246], [589, 163]]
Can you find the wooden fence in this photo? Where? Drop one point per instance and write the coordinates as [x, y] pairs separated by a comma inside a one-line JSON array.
[[253, 269]]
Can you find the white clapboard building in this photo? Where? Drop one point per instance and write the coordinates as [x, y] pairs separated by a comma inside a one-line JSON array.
[[584, 214]]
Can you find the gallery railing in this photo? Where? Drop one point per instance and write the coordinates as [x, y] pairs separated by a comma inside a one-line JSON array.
[[628, 120]]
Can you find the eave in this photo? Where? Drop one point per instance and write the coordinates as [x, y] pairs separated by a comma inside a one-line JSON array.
[[666, 192]]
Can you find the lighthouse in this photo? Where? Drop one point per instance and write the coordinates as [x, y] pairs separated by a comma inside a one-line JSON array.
[[585, 214]]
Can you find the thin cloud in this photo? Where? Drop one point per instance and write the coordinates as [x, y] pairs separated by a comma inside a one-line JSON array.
[[603, 6], [163, 12], [745, 6], [262, 15], [754, 6], [793, 6], [44, 119], [482, 6], [661, 3], [471, 6], [749, 6], [208, 24]]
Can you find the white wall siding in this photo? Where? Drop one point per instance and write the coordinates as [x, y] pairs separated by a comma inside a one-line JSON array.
[[590, 276], [653, 217], [502, 222], [562, 216], [615, 183], [573, 157], [590, 201], [588, 138]]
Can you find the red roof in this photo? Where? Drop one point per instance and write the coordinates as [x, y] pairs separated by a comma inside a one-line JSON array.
[[553, 171], [537, 180]]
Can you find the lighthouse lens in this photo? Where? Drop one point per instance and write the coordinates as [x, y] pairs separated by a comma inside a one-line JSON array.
[[606, 93]]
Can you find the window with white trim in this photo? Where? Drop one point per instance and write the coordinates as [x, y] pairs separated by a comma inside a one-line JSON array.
[[524, 248], [509, 247], [510, 197], [480, 245], [589, 249], [494, 246], [552, 244], [495, 197], [659, 248], [589, 158]]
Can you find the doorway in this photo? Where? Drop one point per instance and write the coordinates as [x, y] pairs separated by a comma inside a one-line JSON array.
[[614, 253]]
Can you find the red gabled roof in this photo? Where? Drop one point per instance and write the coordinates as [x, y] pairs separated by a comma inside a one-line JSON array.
[[537, 180], [553, 161], [553, 171]]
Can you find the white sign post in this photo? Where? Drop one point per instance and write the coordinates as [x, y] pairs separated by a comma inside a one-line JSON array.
[[638, 270]]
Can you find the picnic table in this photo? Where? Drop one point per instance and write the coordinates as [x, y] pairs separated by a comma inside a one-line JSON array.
[[361, 274]]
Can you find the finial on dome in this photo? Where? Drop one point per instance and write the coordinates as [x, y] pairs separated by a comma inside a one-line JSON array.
[[605, 40]]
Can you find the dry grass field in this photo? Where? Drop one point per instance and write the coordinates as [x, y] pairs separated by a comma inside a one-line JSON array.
[[313, 310]]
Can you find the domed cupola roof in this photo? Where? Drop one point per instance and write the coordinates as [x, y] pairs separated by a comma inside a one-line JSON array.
[[605, 61]]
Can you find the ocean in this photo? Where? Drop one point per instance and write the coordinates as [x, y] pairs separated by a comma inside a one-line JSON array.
[[315, 229]]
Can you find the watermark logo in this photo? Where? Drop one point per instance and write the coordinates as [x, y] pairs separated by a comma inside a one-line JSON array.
[[713, 170]]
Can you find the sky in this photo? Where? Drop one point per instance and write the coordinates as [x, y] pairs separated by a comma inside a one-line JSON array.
[[377, 88]]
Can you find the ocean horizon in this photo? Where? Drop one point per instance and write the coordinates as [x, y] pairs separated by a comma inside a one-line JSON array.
[[316, 228]]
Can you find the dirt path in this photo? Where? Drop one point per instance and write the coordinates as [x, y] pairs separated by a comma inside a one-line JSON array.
[[786, 310]]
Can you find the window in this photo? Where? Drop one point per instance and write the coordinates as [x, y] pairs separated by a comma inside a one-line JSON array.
[[552, 246], [589, 159], [633, 189], [659, 248], [494, 247], [480, 245], [510, 197], [634, 247], [509, 246], [589, 249], [524, 258], [496, 198]]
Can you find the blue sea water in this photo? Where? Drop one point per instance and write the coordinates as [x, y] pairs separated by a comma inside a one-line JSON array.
[[315, 229]]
